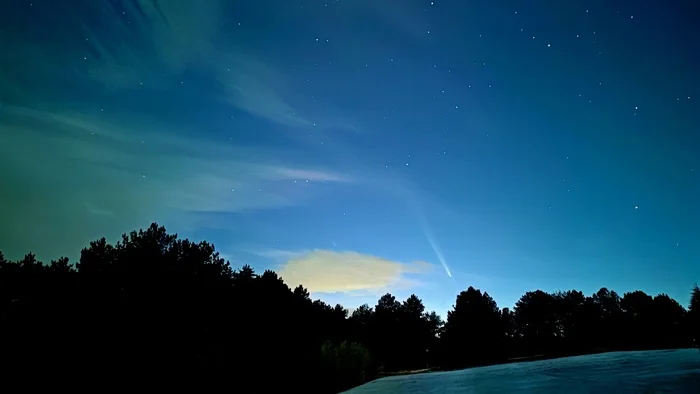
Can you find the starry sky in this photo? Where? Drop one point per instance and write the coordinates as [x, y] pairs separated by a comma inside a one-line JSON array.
[[360, 146]]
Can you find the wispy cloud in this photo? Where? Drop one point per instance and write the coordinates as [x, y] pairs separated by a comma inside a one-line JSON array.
[[72, 168], [177, 36], [276, 254], [352, 273], [254, 87], [170, 37], [310, 175]]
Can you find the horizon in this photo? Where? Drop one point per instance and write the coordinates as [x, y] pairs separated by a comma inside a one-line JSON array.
[[372, 302], [421, 148]]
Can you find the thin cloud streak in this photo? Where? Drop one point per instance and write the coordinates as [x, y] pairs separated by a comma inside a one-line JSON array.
[[275, 254], [127, 172], [311, 175], [250, 86]]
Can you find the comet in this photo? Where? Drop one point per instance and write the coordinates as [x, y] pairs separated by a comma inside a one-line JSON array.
[[414, 206], [426, 229], [428, 232]]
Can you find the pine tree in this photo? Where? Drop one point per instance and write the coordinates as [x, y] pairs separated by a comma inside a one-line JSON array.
[[694, 314]]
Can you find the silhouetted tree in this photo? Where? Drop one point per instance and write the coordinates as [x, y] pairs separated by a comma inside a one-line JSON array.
[[474, 333], [435, 327], [361, 322], [537, 322], [694, 315], [638, 318], [385, 339], [606, 320]]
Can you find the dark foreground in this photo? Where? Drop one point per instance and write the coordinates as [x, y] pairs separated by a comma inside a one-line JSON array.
[[156, 308], [662, 371]]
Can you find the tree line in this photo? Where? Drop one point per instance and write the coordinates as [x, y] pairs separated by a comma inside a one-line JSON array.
[[153, 306]]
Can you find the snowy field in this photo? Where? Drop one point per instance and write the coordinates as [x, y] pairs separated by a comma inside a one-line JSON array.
[[664, 371]]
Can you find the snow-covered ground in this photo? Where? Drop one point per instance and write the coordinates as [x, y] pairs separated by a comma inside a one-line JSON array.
[[664, 371]]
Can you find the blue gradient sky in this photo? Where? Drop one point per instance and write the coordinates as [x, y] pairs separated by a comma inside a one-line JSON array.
[[350, 144]]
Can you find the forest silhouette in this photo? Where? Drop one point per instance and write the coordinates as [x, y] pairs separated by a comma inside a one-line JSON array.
[[153, 306]]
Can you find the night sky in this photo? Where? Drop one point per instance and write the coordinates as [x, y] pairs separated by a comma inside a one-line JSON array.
[[360, 146]]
